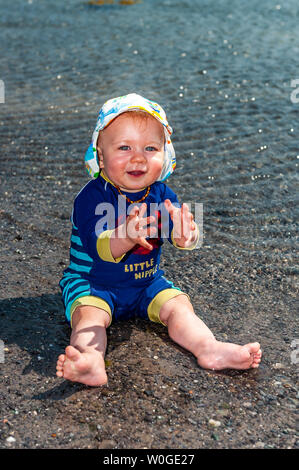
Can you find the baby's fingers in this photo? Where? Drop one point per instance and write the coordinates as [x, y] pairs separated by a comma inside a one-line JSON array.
[[145, 244], [134, 212], [170, 207], [185, 221], [142, 209], [139, 228], [189, 218]]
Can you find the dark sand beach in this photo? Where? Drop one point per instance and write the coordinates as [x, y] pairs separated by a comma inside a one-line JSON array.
[[157, 396], [236, 137]]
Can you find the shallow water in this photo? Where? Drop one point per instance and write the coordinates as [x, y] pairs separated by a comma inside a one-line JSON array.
[[222, 70]]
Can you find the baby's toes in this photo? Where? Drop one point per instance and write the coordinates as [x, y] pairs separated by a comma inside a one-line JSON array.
[[60, 360], [59, 365], [258, 355], [256, 360]]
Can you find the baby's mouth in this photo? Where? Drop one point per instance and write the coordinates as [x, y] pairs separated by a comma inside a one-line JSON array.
[[136, 173]]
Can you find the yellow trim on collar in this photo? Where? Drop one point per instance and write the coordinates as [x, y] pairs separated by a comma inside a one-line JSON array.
[[105, 177]]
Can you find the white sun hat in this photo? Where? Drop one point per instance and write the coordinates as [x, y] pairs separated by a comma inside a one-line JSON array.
[[116, 106]]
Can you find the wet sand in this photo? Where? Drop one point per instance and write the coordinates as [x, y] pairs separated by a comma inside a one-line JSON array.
[[157, 397]]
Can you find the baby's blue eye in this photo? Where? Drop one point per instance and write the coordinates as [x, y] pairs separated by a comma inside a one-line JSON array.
[[150, 149], [124, 147]]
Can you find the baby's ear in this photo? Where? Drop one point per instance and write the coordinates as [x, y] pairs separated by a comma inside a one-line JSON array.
[[100, 157]]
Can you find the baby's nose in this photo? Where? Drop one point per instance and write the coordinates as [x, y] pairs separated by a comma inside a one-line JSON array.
[[138, 155]]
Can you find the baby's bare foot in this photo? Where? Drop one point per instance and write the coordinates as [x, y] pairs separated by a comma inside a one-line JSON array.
[[217, 355], [84, 367]]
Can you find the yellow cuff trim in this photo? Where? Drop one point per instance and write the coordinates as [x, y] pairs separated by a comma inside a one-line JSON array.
[[103, 247], [191, 247], [159, 300], [93, 302]]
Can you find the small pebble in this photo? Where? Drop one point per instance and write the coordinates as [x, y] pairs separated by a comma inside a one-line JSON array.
[[260, 445], [10, 439], [278, 365], [247, 404], [214, 423]]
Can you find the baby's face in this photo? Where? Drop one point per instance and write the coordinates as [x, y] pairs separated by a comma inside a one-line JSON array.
[[131, 151]]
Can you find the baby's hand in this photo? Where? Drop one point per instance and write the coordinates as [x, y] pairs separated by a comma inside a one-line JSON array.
[[137, 226], [184, 228]]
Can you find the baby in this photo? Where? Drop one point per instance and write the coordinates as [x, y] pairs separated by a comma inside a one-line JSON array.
[[119, 221]]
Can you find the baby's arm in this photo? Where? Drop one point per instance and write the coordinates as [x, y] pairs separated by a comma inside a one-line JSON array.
[[133, 231], [97, 233], [185, 230]]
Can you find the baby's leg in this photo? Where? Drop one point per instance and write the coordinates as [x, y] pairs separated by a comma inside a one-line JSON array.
[[83, 360], [189, 331]]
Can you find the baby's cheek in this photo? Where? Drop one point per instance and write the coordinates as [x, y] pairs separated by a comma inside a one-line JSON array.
[[156, 166]]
